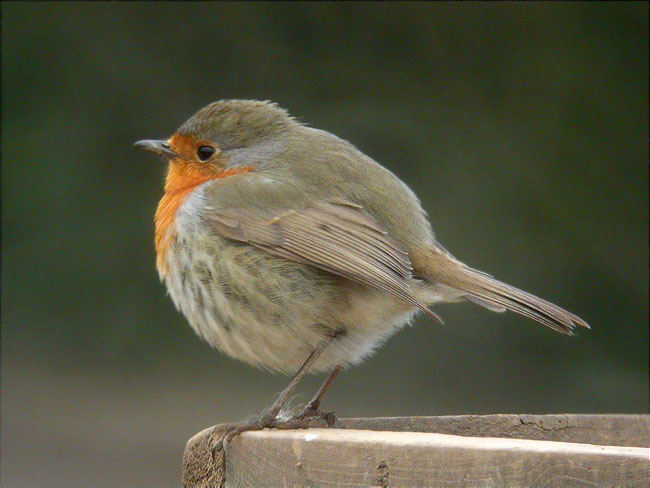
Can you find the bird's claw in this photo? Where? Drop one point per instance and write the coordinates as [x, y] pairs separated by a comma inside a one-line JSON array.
[[304, 420], [310, 412]]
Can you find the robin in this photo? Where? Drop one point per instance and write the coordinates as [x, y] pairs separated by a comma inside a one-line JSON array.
[[286, 247]]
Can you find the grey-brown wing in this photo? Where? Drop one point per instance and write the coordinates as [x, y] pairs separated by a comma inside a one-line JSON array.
[[337, 237]]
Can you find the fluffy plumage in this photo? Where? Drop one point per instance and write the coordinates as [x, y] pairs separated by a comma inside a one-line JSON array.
[[313, 240]]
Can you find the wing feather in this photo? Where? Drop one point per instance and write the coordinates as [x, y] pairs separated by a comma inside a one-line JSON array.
[[337, 237]]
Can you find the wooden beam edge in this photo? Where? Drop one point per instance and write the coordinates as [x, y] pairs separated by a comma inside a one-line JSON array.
[[423, 440], [204, 467]]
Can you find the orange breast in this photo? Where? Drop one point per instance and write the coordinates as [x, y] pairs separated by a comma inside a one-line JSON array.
[[181, 180]]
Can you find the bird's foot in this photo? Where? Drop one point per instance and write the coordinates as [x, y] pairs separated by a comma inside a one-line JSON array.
[[310, 412], [232, 430], [309, 417]]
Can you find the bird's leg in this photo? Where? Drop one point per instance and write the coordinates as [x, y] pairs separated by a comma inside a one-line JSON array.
[[284, 394], [269, 418], [312, 408]]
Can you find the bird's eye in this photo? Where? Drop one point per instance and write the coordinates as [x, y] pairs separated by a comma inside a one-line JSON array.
[[205, 152]]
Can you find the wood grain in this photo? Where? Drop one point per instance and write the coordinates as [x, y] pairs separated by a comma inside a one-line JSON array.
[[322, 457], [391, 452], [612, 430]]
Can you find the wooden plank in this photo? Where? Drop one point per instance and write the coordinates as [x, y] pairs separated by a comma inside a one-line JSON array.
[[611, 429], [335, 457], [204, 468]]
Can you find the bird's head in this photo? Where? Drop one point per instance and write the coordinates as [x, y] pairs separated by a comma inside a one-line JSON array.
[[203, 143]]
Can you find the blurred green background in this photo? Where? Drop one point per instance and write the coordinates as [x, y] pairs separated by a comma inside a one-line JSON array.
[[522, 127]]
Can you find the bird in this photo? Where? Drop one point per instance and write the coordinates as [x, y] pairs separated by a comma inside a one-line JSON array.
[[288, 248]]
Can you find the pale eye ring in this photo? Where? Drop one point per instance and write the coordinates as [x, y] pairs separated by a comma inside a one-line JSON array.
[[205, 152]]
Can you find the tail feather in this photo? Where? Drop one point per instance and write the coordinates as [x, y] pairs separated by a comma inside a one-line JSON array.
[[489, 305], [491, 293]]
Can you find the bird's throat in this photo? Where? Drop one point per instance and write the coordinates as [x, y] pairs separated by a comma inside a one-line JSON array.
[[182, 179]]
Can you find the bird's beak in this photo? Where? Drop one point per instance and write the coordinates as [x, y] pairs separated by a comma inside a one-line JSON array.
[[160, 147]]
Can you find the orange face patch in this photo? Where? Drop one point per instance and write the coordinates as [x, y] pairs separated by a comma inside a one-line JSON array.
[[185, 173], [186, 147]]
